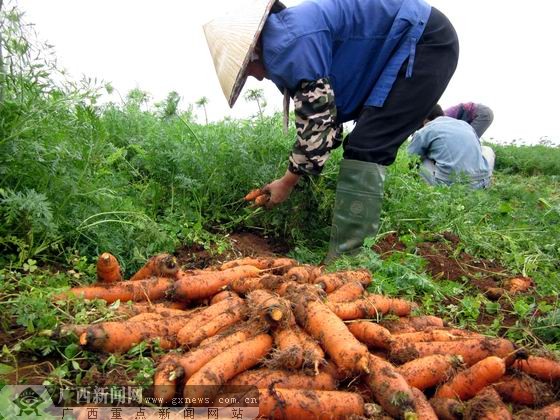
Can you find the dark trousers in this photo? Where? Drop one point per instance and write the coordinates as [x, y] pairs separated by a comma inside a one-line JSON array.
[[380, 131]]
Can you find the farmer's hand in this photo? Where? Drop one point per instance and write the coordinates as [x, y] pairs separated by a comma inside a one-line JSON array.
[[281, 188]]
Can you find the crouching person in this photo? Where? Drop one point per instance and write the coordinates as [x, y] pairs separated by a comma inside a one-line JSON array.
[[451, 152]]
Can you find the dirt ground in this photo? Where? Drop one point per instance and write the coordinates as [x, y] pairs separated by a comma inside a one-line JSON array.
[[446, 261], [243, 244]]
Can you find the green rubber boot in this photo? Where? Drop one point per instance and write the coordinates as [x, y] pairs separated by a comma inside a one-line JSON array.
[[357, 207]]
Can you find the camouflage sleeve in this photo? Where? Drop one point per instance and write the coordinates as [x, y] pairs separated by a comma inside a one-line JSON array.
[[316, 127]]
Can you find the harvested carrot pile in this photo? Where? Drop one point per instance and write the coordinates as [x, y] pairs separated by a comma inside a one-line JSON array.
[[315, 344]]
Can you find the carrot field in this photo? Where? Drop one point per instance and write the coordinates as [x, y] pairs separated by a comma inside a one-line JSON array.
[[92, 191]]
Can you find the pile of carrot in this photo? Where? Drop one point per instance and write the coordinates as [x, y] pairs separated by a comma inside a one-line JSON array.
[[315, 344]]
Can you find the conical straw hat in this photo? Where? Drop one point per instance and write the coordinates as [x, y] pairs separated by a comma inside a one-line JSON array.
[[231, 40]]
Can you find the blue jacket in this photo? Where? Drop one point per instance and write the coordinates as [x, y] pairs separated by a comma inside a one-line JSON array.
[[360, 45], [454, 147]]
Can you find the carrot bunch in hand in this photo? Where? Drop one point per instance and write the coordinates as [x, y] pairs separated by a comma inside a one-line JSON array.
[[259, 197]]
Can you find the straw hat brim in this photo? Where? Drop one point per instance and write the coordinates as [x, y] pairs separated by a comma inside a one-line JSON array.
[[232, 39]]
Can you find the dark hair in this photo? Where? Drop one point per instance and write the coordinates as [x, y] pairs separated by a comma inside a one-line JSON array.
[[435, 112], [278, 6]]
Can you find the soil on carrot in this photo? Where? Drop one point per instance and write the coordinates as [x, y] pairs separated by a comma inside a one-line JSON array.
[[243, 244]]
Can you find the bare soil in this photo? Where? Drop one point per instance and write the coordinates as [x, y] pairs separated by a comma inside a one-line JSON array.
[[243, 244]]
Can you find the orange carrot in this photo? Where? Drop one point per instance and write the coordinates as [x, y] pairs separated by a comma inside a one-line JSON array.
[[165, 381], [455, 332], [279, 403], [322, 324], [487, 405], [121, 336], [275, 310], [472, 350], [275, 264], [226, 365], [174, 366], [429, 371], [313, 355], [146, 316], [108, 269], [371, 306], [194, 360], [253, 194], [261, 200], [468, 383], [447, 408], [303, 273], [264, 378], [371, 334], [411, 324], [524, 390], [268, 281], [539, 367], [289, 353], [149, 289], [389, 388], [422, 407], [331, 281], [224, 294], [550, 412], [347, 292], [518, 284], [428, 335], [204, 316], [162, 265], [135, 308], [206, 285], [225, 319]]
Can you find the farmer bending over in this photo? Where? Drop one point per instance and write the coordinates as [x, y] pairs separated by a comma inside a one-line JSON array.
[[451, 152], [383, 63], [477, 115]]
